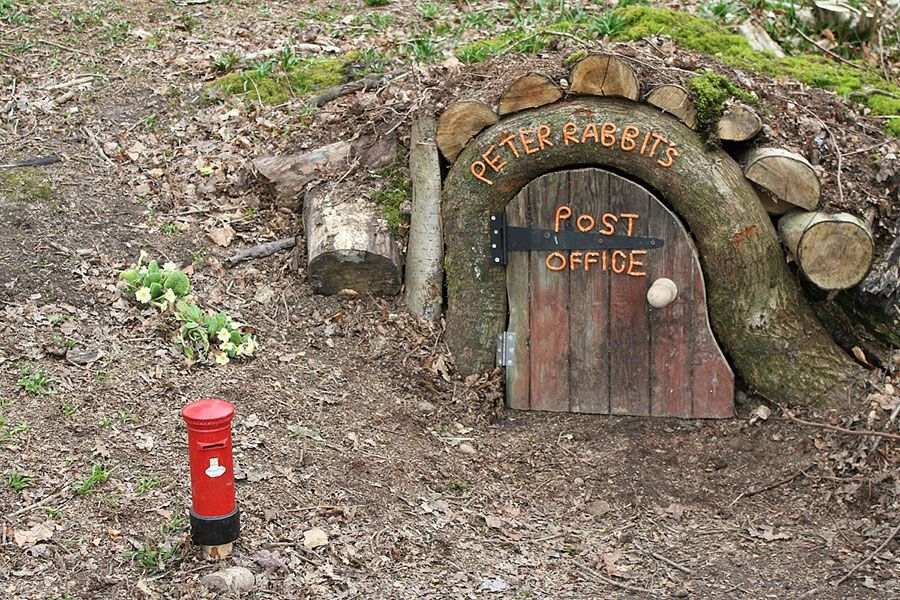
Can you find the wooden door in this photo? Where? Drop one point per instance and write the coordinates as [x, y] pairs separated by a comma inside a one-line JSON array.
[[587, 340]]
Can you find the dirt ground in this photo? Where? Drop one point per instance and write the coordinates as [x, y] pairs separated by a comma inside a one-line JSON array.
[[350, 418]]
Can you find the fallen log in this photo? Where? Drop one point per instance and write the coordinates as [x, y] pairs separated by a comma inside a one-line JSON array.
[[351, 87], [875, 302], [292, 173], [604, 75], [674, 99], [786, 175], [529, 91], [738, 124], [460, 123], [833, 251], [261, 251], [425, 256], [348, 245]]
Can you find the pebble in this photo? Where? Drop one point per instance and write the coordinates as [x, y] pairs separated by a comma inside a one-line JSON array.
[[426, 407], [238, 579], [467, 448]]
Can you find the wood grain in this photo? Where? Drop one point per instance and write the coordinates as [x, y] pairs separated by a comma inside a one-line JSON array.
[[518, 287]]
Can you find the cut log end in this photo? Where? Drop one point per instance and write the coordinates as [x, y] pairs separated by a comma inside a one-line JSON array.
[[833, 251], [739, 124], [674, 99], [604, 75], [529, 91], [358, 270], [460, 123], [786, 175]]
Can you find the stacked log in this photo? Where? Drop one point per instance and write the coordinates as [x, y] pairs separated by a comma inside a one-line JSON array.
[[459, 125], [529, 91], [739, 124], [785, 175], [674, 99], [604, 75]]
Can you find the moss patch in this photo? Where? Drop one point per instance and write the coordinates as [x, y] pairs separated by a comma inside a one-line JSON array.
[[264, 84], [712, 91], [24, 186], [706, 36], [395, 192]]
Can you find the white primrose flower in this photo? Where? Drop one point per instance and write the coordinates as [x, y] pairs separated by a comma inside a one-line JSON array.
[[169, 295], [224, 335], [170, 266], [248, 347], [226, 346], [142, 271], [143, 295], [222, 358]]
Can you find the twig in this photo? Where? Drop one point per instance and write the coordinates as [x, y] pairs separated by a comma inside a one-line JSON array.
[[539, 33], [863, 432], [870, 556], [97, 146], [630, 588], [33, 162], [369, 81], [261, 250], [870, 148], [865, 93], [890, 421], [827, 51], [70, 49], [668, 561], [37, 504], [771, 486]]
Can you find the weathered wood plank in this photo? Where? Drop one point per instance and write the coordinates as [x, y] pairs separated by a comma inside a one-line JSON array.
[[518, 284], [671, 333], [629, 369], [589, 306], [549, 314], [713, 378]]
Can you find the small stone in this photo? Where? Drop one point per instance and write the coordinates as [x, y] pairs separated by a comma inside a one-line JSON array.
[[314, 538], [83, 356], [426, 407], [237, 579], [597, 508], [682, 593], [467, 448]]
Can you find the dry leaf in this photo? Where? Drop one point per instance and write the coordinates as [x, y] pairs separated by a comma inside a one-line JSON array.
[[767, 533], [314, 538], [760, 413], [27, 538], [609, 564], [493, 522], [222, 236]]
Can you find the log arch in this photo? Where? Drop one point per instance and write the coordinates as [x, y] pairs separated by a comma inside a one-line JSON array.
[[757, 309]]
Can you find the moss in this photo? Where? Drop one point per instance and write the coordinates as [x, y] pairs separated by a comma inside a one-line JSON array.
[[305, 76], [703, 35], [517, 40], [25, 186], [395, 192], [711, 93], [574, 57]]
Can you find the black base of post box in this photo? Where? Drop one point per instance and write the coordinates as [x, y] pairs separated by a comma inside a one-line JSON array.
[[215, 531]]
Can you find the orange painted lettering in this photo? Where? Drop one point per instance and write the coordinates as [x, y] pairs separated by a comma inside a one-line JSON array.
[[492, 163], [657, 139], [559, 266], [609, 224], [608, 134], [605, 266], [590, 258], [479, 172], [631, 219], [671, 153], [543, 133], [621, 267], [575, 258], [508, 141], [644, 145], [632, 263], [527, 141], [629, 134], [587, 219], [590, 131], [569, 131], [562, 213]]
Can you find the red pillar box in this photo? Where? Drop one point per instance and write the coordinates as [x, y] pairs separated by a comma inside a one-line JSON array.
[[215, 519]]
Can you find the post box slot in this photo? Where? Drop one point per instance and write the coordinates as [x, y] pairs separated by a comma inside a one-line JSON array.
[[212, 445]]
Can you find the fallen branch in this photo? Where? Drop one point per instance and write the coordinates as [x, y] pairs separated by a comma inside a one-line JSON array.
[[866, 93], [771, 486], [863, 432], [630, 588], [826, 50], [668, 561], [261, 251], [870, 556], [369, 81], [33, 162]]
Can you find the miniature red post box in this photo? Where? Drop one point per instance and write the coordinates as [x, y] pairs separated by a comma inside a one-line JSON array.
[[215, 519]]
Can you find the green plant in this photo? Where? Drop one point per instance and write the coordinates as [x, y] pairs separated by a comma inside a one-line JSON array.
[[99, 474], [36, 382], [203, 333], [377, 2], [428, 10], [68, 409], [720, 10], [151, 285], [156, 555], [170, 228], [227, 61], [421, 49], [711, 93], [20, 482], [11, 11], [287, 59], [394, 193], [608, 24], [148, 484]]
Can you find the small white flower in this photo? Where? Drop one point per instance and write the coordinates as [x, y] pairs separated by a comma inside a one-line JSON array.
[[170, 266], [248, 347], [222, 358], [143, 256], [223, 335], [142, 271], [226, 346], [169, 295], [143, 295]]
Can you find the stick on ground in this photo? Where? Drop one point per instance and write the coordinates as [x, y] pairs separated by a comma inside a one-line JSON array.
[[870, 556], [262, 250]]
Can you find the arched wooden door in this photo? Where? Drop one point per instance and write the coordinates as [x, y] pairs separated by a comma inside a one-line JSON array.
[[586, 338]]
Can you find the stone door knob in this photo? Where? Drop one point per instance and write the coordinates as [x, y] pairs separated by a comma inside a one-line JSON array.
[[662, 293]]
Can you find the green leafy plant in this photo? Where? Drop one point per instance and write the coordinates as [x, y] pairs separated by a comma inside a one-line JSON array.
[[720, 10], [377, 2], [204, 333], [156, 555], [99, 474], [609, 24], [20, 482], [148, 484], [36, 382], [227, 61], [150, 284]]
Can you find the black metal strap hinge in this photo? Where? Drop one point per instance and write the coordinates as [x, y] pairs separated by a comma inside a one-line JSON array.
[[522, 239]]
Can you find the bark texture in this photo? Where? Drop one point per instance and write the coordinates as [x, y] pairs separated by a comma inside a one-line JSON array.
[[348, 246], [757, 308], [674, 99], [425, 256], [786, 175]]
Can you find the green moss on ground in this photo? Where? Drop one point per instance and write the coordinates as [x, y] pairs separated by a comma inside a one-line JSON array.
[[24, 186], [703, 35], [396, 190], [712, 92], [270, 87]]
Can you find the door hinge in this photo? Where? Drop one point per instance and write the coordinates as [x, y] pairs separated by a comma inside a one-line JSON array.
[[506, 349]]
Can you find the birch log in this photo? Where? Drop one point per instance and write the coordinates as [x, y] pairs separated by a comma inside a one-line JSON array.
[[348, 245], [785, 174], [833, 251], [425, 256]]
